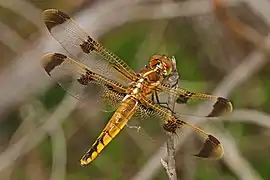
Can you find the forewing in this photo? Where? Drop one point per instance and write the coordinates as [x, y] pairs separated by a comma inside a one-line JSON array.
[[84, 48], [77, 79]]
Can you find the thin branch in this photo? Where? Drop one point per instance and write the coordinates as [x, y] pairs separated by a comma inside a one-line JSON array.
[[33, 138], [238, 27], [11, 38], [233, 157], [261, 8], [59, 150], [24, 9], [249, 116], [28, 116], [170, 168]]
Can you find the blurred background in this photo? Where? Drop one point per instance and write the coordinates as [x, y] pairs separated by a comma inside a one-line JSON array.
[[221, 47]]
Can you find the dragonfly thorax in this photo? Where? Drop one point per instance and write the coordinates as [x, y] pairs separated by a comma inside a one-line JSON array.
[[151, 76], [146, 83]]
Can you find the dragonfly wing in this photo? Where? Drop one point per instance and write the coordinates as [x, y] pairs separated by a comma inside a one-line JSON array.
[[84, 48], [209, 146], [76, 79], [220, 105]]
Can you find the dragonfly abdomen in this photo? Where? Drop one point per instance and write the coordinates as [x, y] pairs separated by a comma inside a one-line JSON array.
[[119, 119]]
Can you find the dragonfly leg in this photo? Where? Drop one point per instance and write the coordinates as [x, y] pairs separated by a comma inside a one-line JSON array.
[[155, 98], [138, 128]]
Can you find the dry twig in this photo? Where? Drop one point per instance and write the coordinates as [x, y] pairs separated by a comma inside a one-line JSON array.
[[59, 150], [170, 168]]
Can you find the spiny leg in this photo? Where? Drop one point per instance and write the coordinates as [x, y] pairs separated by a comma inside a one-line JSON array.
[[155, 98]]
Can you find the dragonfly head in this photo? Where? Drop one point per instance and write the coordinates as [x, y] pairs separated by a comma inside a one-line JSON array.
[[162, 64]]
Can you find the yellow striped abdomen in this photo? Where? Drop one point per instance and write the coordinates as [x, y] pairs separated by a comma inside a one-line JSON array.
[[119, 119]]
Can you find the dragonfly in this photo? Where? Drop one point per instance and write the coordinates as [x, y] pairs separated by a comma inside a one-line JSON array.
[[129, 92]]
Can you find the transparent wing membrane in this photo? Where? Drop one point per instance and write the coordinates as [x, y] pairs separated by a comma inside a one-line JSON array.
[[80, 82], [84, 48], [220, 105]]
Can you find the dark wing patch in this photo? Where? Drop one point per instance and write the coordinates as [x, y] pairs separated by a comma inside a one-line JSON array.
[[220, 104], [86, 78], [88, 46], [53, 17], [55, 60], [211, 148], [183, 98]]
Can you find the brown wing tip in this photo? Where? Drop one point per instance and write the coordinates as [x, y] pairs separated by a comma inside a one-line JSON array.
[[49, 11], [51, 60], [211, 149], [54, 17], [221, 106]]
